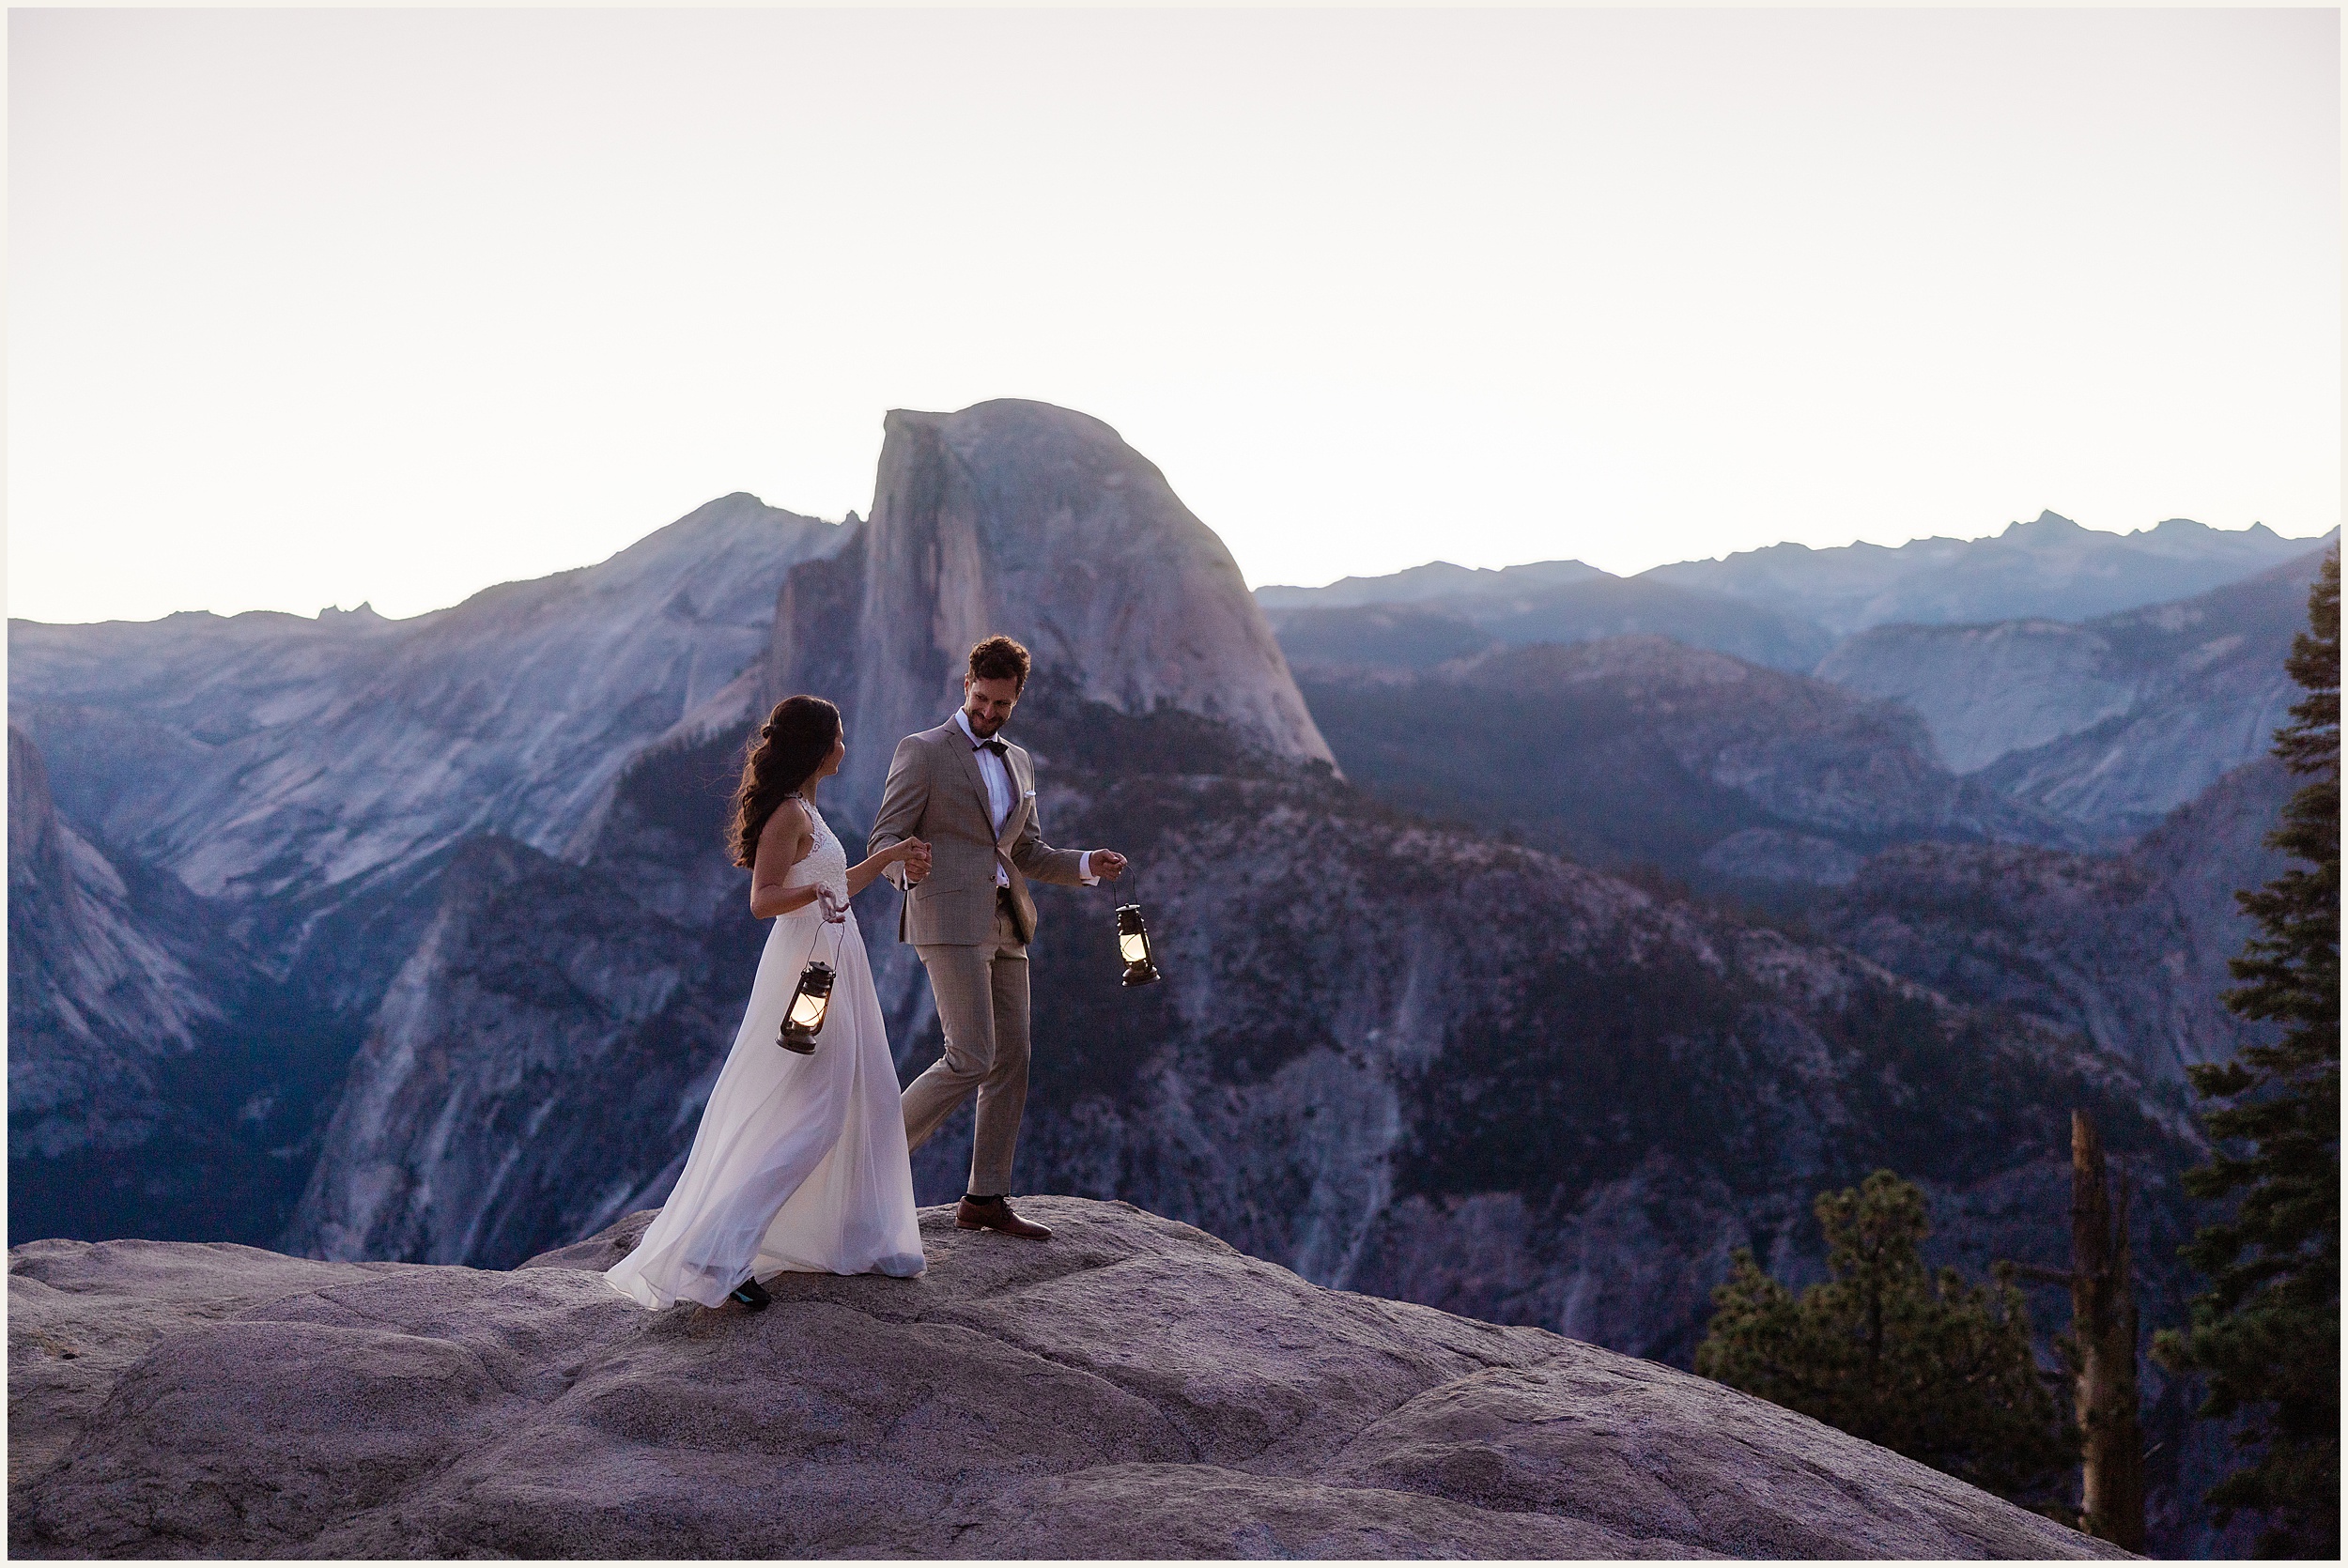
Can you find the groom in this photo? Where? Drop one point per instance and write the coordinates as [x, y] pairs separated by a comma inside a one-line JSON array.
[[972, 795]]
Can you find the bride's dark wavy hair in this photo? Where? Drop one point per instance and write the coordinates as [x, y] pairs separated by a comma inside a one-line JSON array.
[[788, 748]]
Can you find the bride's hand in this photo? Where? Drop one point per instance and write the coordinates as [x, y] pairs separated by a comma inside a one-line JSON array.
[[834, 908], [914, 852]]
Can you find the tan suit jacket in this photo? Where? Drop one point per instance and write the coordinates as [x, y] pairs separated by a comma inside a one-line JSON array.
[[935, 792]]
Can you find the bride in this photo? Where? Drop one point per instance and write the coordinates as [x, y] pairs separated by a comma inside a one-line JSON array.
[[800, 1161]]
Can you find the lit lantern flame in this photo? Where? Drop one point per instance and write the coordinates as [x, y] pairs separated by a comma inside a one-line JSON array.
[[805, 1019], [1132, 946]]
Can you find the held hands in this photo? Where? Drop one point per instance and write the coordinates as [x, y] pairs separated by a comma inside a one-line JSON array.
[[914, 855]]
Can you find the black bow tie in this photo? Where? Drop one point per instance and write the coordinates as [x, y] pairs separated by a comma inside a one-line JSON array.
[[995, 747]]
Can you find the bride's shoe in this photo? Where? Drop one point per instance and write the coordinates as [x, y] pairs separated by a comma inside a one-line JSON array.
[[751, 1294]]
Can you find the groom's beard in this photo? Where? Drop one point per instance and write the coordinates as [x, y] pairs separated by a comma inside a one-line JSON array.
[[982, 728]]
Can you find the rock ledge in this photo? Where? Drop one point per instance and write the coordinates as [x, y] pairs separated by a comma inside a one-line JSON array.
[[1134, 1387]]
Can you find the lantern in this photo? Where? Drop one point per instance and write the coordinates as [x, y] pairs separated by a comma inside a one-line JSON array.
[[1132, 946], [805, 1020]]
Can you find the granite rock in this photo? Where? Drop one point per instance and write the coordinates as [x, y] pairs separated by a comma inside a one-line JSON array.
[[1132, 1388], [1042, 523], [2107, 724], [270, 756], [2129, 950], [100, 991]]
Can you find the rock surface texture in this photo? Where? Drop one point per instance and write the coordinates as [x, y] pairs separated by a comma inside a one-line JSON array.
[[1132, 1388]]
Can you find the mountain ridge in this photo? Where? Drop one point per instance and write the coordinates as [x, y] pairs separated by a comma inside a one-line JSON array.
[[361, 747], [2050, 567]]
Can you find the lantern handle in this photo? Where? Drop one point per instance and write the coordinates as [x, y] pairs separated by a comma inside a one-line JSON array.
[[839, 936]]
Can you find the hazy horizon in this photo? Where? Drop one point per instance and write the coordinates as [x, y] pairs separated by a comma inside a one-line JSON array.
[[1992, 534], [313, 307], [345, 606]]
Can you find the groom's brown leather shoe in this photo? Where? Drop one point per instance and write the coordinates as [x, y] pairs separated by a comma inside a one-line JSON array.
[[994, 1214]]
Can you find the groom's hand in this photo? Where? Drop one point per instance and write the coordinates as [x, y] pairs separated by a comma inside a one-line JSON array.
[[1108, 865]]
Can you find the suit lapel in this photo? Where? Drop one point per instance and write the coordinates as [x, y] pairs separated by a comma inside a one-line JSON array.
[[960, 744]]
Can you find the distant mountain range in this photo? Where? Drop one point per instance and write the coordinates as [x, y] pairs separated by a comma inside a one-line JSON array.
[[1437, 579], [418, 939], [2090, 731], [1321, 640], [2049, 568]]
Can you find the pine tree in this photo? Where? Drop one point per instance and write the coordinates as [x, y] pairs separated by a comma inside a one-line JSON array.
[[1926, 1365], [2267, 1334]]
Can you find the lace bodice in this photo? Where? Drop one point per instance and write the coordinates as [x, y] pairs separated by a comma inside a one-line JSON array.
[[826, 863]]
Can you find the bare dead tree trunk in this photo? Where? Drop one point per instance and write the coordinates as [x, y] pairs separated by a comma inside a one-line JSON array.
[[2103, 1320]]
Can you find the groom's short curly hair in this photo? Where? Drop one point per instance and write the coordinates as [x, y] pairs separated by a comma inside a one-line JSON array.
[[998, 658]]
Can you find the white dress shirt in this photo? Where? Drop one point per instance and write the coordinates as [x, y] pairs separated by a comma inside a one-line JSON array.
[[1002, 794]]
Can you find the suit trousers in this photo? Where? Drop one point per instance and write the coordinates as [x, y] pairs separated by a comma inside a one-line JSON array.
[[981, 993]]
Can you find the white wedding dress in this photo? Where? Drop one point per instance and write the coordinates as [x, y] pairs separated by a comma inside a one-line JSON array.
[[800, 1161]]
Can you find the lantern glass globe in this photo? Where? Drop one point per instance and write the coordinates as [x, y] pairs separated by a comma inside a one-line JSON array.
[[1132, 946], [805, 1015]]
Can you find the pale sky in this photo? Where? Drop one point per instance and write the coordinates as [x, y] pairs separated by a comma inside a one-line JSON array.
[[316, 307]]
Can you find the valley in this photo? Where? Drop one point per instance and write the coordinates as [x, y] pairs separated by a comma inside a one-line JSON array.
[[1527, 952]]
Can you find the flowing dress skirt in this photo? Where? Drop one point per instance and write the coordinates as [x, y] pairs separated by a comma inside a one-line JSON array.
[[800, 1162]]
